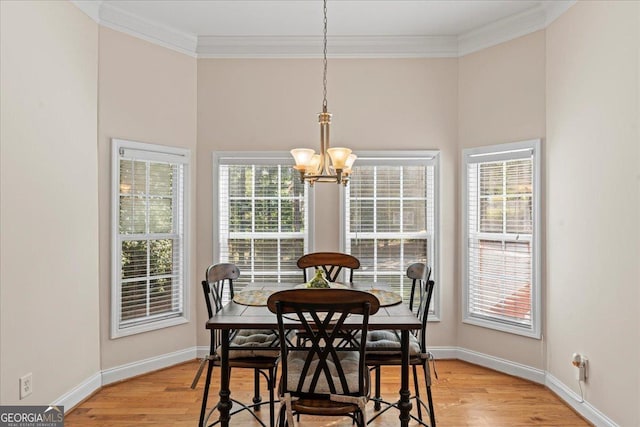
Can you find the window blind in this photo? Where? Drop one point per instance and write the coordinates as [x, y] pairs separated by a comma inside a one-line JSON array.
[[390, 218], [263, 219], [150, 238], [500, 286]]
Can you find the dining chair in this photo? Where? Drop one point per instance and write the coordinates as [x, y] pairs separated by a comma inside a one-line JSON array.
[[383, 347], [331, 262], [318, 377], [248, 348]]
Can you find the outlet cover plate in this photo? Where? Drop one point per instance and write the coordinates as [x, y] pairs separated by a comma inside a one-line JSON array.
[[26, 385]]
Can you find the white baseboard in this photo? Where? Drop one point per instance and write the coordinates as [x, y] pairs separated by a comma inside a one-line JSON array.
[[202, 351], [572, 399], [491, 362], [444, 352], [80, 392], [502, 365], [588, 411], [144, 366]]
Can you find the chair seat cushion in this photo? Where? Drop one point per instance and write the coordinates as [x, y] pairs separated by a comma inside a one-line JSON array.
[[253, 343], [388, 342], [349, 360]]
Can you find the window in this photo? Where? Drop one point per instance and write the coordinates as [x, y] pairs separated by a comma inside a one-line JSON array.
[[390, 216], [263, 216], [149, 253], [501, 237]]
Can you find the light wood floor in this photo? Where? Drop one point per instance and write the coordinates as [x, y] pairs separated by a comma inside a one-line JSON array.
[[464, 395]]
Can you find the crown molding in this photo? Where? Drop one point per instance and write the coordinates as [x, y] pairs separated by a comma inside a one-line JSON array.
[[341, 47], [90, 8], [512, 27], [115, 18], [501, 31], [554, 9], [506, 29], [110, 16]]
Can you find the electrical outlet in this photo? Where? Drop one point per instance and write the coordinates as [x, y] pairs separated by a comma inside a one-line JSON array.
[[26, 385], [580, 362], [582, 370], [581, 375]]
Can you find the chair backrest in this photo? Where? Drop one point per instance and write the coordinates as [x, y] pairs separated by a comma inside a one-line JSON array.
[[331, 262], [318, 365], [218, 276], [421, 293]]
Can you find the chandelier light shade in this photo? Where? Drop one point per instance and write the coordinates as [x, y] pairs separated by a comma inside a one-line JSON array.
[[331, 164]]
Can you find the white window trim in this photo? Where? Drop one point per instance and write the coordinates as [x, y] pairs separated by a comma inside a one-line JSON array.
[[408, 157], [251, 157], [154, 152], [502, 152]]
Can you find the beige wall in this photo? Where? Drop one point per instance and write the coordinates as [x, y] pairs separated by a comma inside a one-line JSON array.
[[593, 171], [376, 105], [501, 98], [49, 207], [146, 93]]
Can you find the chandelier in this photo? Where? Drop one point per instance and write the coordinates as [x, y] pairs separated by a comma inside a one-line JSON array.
[[331, 164]]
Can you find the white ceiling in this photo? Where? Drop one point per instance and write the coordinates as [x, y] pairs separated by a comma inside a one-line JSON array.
[[257, 28]]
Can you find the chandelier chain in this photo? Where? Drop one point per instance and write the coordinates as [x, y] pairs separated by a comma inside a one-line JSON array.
[[332, 164], [324, 76]]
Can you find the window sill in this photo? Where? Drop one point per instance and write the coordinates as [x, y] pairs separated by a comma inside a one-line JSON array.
[[497, 326], [160, 324]]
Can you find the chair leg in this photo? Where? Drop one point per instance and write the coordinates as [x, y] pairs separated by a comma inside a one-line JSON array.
[[194, 383], [282, 417], [256, 389], [417, 387], [376, 404], [432, 415], [427, 381], [205, 393], [271, 381]]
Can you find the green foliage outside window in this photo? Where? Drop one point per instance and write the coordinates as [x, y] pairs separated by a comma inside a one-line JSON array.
[[267, 201], [147, 199]]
